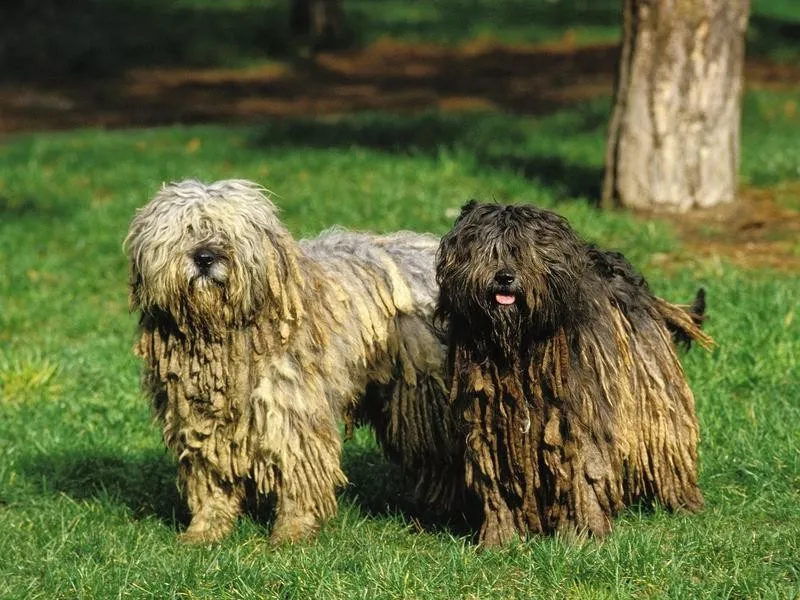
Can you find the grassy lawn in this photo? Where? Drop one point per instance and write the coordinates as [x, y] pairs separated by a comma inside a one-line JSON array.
[[87, 498], [88, 503]]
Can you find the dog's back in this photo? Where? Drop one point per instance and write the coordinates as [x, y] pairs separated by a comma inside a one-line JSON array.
[[404, 259], [632, 294]]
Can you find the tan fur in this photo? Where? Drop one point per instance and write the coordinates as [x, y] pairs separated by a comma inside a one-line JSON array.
[[570, 468], [251, 363]]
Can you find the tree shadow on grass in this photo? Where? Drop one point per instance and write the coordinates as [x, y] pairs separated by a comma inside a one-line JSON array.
[[495, 141], [388, 76], [453, 20], [42, 39], [773, 38], [567, 180]]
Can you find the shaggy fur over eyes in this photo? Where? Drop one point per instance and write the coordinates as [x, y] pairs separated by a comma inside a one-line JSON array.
[[255, 345]]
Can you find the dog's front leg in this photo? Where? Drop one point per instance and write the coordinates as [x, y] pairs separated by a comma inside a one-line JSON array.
[[215, 503], [294, 519], [304, 499], [497, 526], [310, 472]]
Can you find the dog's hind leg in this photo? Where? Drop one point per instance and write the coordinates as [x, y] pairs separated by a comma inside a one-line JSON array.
[[214, 503]]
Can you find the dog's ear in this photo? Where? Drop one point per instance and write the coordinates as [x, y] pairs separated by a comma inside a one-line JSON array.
[[447, 252], [134, 281], [134, 275], [471, 204]]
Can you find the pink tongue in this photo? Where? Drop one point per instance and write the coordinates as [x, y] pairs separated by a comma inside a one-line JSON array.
[[503, 299]]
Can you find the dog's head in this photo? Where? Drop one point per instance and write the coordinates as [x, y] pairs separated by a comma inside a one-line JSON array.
[[514, 269], [211, 256]]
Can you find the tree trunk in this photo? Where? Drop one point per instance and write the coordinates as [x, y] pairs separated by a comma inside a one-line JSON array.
[[322, 20], [673, 140]]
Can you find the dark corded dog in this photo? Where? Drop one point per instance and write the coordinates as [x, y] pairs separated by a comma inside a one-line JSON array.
[[567, 392]]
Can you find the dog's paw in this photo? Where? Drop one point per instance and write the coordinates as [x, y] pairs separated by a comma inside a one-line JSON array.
[[496, 530], [291, 530], [203, 533]]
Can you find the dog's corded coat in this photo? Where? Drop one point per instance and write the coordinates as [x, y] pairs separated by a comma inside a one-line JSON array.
[[568, 396], [254, 345]]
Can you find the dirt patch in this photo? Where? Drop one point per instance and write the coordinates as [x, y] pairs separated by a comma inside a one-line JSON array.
[[385, 76], [388, 75], [761, 230]]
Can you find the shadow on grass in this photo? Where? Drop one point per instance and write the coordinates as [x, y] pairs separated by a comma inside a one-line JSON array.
[[379, 489], [41, 39], [453, 20], [773, 38], [144, 483], [386, 76], [495, 142], [567, 180], [375, 485], [45, 38]]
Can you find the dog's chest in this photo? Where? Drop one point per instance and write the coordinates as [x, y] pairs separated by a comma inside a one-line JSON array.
[[505, 411], [202, 377]]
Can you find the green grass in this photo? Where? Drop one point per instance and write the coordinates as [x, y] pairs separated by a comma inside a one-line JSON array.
[[771, 121], [88, 505]]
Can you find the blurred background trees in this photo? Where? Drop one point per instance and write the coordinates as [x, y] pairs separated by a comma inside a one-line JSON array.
[[674, 133], [321, 22], [672, 124]]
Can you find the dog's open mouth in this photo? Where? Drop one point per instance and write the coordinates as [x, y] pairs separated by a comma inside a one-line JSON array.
[[504, 287], [505, 299], [505, 296]]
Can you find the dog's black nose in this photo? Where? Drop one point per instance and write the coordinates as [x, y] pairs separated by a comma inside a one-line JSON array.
[[504, 277], [204, 258]]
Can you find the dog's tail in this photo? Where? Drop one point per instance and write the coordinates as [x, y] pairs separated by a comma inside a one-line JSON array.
[[685, 322]]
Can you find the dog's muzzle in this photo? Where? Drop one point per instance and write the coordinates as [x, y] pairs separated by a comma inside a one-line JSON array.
[[204, 259], [505, 288], [208, 266]]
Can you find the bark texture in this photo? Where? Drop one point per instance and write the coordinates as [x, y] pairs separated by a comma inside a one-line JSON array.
[[673, 141]]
